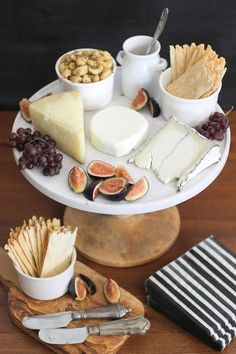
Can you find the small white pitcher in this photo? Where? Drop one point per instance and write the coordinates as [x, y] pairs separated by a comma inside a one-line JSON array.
[[138, 69]]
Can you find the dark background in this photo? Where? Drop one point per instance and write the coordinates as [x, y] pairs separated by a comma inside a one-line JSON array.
[[33, 34]]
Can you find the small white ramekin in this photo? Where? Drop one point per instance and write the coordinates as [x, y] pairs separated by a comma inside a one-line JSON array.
[[46, 288], [95, 95], [192, 112]]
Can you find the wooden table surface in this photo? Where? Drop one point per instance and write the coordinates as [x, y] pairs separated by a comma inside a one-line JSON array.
[[211, 212]]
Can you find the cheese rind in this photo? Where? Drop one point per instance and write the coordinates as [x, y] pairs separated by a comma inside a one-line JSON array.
[[207, 159], [117, 130], [61, 117]]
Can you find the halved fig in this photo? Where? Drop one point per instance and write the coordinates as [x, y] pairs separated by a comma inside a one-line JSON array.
[[24, 106], [77, 289], [77, 179], [92, 190], [100, 169], [111, 291], [140, 100], [114, 188], [122, 172], [138, 190], [90, 285], [24, 109], [153, 107]]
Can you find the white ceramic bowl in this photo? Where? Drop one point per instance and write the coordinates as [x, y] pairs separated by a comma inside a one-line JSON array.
[[188, 111], [95, 95], [47, 288]]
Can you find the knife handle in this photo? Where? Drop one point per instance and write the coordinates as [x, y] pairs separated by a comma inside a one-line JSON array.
[[133, 325], [110, 311]]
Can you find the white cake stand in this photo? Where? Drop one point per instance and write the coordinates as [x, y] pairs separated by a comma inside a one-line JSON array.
[[121, 234]]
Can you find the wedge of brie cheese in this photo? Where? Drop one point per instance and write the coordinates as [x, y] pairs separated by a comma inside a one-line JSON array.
[[117, 130], [160, 146], [177, 152], [61, 116]]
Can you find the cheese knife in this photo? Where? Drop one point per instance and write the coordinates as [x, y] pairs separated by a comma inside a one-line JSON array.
[[62, 319], [134, 325]]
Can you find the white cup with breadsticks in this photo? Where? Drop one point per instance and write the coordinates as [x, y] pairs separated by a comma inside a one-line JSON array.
[[189, 89], [43, 254]]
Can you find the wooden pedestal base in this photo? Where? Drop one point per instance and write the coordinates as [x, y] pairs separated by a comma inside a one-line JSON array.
[[124, 241]]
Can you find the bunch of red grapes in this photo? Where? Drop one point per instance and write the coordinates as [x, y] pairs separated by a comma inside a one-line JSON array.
[[215, 127], [36, 150]]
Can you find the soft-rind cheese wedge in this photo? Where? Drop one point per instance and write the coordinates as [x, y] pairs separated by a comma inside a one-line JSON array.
[[211, 156], [177, 152], [159, 147], [185, 156], [117, 130], [61, 116]]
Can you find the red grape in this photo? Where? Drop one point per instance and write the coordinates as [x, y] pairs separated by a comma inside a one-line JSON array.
[[36, 151], [215, 127], [21, 166], [12, 136], [211, 130]]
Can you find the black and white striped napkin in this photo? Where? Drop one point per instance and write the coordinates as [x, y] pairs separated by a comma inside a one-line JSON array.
[[198, 291]]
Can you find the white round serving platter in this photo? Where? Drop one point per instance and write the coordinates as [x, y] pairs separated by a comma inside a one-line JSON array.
[[159, 196]]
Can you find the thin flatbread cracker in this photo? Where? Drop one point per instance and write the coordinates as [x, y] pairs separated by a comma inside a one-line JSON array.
[[193, 84], [214, 87], [23, 258], [13, 257], [173, 63], [190, 54], [59, 252], [201, 52], [27, 251], [39, 246], [22, 266], [27, 240], [180, 60], [187, 53], [34, 246], [43, 233], [194, 55]]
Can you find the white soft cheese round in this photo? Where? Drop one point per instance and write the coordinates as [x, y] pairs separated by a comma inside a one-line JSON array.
[[117, 130]]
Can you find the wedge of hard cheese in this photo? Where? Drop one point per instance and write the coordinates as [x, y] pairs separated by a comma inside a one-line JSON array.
[[61, 116], [177, 152]]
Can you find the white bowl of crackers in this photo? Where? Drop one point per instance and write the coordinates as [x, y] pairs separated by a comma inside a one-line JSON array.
[[90, 71], [44, 256], [189, 89]]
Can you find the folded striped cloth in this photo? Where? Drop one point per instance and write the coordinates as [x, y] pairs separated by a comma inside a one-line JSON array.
[[198, 291]]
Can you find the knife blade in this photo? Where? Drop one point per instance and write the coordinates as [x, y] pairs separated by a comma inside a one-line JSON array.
[[62, 319], [135, 325]]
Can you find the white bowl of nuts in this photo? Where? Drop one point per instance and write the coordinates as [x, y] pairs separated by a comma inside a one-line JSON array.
[[90, 71]]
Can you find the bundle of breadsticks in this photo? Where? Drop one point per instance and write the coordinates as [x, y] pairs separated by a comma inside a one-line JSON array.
[[41, 248], [196, 71]]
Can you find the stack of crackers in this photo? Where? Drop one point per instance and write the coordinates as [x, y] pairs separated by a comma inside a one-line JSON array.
[[196, 71], [41, 248]]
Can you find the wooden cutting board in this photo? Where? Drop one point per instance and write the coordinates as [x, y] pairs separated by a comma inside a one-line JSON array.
[[21, 305]]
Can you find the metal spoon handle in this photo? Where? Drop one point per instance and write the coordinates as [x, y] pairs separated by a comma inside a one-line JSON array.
[[160, 27]]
